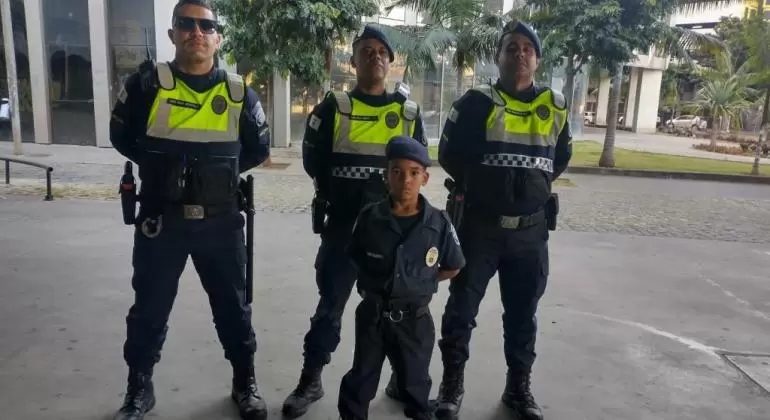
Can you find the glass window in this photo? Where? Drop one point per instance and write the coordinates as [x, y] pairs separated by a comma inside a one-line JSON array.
[[132, 34], [68, 47]]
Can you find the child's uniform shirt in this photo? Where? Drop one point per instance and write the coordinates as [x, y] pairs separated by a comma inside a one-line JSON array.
[[395, 264]]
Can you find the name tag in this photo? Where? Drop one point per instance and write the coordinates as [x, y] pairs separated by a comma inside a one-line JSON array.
[[373, 255]]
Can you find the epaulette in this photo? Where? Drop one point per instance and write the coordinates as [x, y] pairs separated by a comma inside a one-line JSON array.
[[236, 87], [344, 105], [491, 93], [165, 76], [558, 99], [409, 110]]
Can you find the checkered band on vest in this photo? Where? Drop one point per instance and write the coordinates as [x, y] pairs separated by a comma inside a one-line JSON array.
[[355, 172], [511, 160]]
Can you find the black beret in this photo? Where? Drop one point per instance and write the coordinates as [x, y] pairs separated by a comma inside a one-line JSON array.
[[403, 147], [371, 32], [518, 27]]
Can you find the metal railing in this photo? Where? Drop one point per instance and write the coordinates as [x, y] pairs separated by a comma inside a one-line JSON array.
[[48, 170]]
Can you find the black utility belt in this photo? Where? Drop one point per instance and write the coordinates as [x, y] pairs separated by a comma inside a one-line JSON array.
[[513, 222], [396, 310], [193, 211]]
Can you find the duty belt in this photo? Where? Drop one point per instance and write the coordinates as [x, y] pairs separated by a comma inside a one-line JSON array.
[[521, 222], [396, 310], [514, 222]]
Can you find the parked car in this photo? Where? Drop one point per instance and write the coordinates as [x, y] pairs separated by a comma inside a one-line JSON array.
[[5, 111], [687, 122]]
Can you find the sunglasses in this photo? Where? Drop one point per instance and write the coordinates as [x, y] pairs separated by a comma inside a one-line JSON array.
[[188, 24]]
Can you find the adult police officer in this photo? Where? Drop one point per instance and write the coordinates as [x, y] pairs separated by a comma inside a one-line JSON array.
[[344, 153], [505, 144], [191, 128]]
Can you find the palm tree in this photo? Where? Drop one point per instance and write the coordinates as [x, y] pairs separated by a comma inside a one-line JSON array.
[[463, 28], [724, 99], [672, 41]]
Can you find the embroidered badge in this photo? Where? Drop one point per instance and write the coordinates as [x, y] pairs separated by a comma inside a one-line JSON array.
[[391, 119], [219, 105], [431, 257], [543, 112]]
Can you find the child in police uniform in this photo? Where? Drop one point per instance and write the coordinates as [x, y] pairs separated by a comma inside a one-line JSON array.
[[402, 247]]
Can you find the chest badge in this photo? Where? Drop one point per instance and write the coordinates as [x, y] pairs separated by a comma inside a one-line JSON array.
[[431, 257], [391, 119], [543, 112], [219, 104]]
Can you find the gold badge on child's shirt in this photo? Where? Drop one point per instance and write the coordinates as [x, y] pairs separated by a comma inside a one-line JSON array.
[[431, 257]]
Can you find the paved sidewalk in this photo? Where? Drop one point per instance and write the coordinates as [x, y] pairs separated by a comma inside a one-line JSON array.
[[631, 327]]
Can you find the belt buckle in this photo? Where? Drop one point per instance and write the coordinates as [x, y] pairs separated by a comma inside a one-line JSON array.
[[510, 222], [389, 315], [193, 212]]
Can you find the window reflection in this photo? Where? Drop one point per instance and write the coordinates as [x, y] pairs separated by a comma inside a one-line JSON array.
[[68, 47], [132, 33]]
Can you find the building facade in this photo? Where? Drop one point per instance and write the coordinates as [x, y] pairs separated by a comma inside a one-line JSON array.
[[74, 55]]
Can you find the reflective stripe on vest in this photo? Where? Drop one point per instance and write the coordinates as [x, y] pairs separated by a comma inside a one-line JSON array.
[[355, 172], [182, 114], [511, 121], [360, 129]]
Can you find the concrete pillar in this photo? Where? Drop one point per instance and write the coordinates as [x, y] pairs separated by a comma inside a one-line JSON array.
[[164, 11], [633, 83], [100, 70], [281, 129], [647, 102], [38, 70], [603, 100]]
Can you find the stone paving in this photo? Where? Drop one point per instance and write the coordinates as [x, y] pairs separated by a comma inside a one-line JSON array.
[[674, 208]]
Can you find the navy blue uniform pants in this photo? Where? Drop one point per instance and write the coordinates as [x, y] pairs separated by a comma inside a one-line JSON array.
[[335, 277], [521, 259], [407, 340], [218, 253]]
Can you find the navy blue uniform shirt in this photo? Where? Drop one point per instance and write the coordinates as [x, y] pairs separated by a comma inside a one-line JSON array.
[[129, 119], [457, 148], [400, 257]]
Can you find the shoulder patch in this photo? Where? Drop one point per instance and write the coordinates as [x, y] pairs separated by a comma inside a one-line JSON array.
[[558, 99], [123, 95], [314, 122], [409, 110], [236, 87], [165, 76], [344, 105]]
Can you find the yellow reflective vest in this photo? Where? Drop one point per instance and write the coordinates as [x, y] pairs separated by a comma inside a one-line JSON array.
[[521, 134], [179, 113], [361, 133]]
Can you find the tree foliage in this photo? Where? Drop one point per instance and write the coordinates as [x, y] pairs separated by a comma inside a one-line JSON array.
[[289, 36], [463, 28]]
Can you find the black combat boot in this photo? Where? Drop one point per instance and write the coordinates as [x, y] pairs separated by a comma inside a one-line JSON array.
[[246, 395], [518, 397], [308, 391], [450, 393], [392, 389], [140, 397]]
